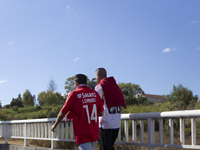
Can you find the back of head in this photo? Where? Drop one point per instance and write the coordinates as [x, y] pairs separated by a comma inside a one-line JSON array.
[[81, 79], [101, 72]]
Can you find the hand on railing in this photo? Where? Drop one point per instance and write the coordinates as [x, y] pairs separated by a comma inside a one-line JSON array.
[[53, 128], [59, 118]]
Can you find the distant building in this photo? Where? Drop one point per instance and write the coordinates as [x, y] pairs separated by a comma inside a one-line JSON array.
[[151, 98]]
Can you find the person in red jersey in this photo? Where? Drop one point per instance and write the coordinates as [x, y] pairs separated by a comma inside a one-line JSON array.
[[84, 106], [113, 99]]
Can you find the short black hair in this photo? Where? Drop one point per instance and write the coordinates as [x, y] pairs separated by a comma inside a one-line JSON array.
[[81, 79]]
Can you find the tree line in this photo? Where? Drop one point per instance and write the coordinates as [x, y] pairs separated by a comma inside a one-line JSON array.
[[180, 96]]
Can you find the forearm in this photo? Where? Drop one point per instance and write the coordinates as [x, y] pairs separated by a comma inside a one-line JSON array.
[[58, 120]]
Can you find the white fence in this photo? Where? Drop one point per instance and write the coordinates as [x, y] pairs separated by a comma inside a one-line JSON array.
[[40, 129]]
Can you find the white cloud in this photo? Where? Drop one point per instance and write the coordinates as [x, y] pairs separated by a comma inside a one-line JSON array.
[[68, 6], [168, 50], [3, 81], [76, 59], [198, 48]]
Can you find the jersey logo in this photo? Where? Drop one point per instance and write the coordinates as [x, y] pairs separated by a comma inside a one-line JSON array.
[[79, 95], [86, 95]]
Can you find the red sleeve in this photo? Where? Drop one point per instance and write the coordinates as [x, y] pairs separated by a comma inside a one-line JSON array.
[[68, 104]]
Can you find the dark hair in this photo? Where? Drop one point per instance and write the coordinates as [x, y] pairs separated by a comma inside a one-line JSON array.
[[81, 79]]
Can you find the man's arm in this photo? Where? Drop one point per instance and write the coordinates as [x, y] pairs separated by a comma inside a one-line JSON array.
[[58, 120]]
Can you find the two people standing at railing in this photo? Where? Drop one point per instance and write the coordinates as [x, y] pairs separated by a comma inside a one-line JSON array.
[[85, 105]]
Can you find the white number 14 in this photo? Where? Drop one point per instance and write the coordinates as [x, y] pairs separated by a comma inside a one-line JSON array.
[[93, 115]]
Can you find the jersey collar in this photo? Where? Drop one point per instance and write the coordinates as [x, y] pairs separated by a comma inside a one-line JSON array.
[[82, 86]]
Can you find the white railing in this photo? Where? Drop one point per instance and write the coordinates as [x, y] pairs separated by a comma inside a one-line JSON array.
[[40, 129]]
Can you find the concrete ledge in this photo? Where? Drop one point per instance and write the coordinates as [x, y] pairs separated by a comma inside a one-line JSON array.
[[19, 147]]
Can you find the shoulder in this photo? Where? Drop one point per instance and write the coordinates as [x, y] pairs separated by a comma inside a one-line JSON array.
[[74, 92], [89, 90], [98, 87]]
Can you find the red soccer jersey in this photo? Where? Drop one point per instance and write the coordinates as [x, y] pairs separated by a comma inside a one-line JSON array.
[[84, 105]]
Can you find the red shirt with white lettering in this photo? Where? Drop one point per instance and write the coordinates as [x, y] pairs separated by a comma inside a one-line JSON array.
[[84, 105]]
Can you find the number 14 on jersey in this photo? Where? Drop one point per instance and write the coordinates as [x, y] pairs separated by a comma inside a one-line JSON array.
[[93, 115]]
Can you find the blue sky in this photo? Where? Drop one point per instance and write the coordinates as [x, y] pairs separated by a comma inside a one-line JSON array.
[[153, 43]]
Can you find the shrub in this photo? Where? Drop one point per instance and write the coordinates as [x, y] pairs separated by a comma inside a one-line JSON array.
[[187, 131], [38, 107], [52, 114], [43, 113], [14, 108], [27, 109], [56, 109]]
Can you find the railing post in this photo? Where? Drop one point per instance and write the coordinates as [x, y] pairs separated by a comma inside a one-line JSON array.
[[42, 130], [126, 130], [45, 130], [32, 127], [35, 128], [58, 131], [151, 133], [161, 131], [134, 131], [193, 131], [25, 136], [71, 130], [171, 131], [38, 129], [5, 133], [66, 130], [62, 130], [53, 143], [141, 131], [182, 132], [50, 132]]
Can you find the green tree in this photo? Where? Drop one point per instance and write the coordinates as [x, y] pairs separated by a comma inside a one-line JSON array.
[[92, 83], [129, 90], [181, 97], [16, 102], [6, 106], [42, 98], [49, 98], [59, 99], [69, 84], [28, 99]]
